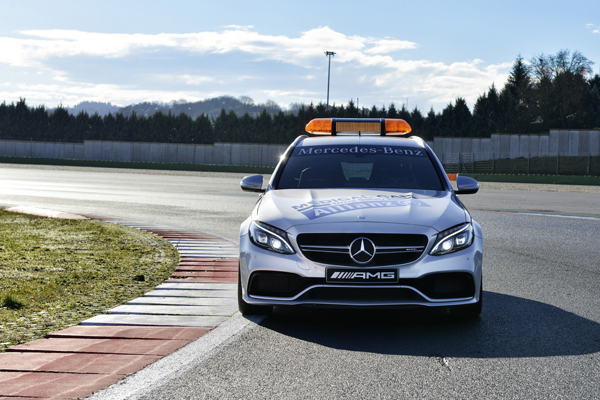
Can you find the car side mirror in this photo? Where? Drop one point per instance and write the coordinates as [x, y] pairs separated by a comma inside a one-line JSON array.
[[466, 185], [252, 183]]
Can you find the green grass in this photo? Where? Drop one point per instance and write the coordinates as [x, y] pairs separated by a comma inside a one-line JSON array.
[[10, 302], [138, 165], [56, 273]]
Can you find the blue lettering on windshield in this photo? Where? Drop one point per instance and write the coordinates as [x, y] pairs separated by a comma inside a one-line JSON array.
[[383, 150]]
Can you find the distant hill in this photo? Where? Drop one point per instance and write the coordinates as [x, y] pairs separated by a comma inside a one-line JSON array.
[[211, 107], [92, 107]]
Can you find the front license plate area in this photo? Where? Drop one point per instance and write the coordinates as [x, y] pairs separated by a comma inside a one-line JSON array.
[[361, 275]]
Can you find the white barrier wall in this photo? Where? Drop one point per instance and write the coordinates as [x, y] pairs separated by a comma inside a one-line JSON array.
[[263, 155], [557, 142], [14, 148]]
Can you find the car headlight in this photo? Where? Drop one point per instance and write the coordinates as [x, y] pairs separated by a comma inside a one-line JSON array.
[[270, 238], [453, 239]]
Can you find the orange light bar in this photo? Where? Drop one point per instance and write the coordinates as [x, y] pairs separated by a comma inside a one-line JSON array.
[[358, 126], [397, 126], [383, 126], [319, 125]]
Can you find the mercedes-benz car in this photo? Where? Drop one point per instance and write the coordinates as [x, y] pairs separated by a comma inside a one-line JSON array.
[[360, 214]]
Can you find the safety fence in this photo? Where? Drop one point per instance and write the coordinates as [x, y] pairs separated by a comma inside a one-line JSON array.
[[258, 155], [557, 142], [472, 163], [267, 155]]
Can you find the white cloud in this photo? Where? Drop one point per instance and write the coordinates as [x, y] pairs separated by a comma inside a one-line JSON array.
[[239, 27], [441, 83], [594, 28], [197, 80], [192, 80], [369, 67], [311, 44], [384, 46], [285, 93]]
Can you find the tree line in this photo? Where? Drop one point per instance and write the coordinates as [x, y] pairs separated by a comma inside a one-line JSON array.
[[548, 92]]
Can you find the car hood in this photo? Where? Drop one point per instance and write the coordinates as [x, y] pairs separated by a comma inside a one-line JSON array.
[[292, 207]]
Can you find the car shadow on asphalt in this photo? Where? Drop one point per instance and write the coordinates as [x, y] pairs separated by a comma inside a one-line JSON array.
[[509, 326]]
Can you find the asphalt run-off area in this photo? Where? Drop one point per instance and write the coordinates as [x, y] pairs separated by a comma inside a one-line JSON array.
[[538, 335]]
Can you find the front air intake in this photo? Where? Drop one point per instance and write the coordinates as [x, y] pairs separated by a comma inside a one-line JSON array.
[[447, 285], [276, 284]]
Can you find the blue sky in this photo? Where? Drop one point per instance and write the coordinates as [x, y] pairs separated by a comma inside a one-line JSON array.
[[426, 52]]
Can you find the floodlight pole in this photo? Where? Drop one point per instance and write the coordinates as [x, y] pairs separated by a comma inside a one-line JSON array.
[[328, 54]]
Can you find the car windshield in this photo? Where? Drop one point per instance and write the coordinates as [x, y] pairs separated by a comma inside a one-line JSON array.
[[359, 166]]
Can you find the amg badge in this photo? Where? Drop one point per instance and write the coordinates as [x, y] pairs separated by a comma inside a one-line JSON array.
[[338, 275]]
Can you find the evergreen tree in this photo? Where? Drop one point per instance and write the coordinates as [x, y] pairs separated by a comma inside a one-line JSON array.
[[402, 114], [220, 127], [203, 130], [382, 113], [78, 127], [486, 114], [95, 128], [322, 110], [447, 126], [310, 112], [263, 132], [416, 121], [594, 81], [519, 81], [246, 132], [518, 102], [39, 122], [59, 123], [351, 110], [593, 114], [462, 118], [374, 112], [392, 113], [431, 125]]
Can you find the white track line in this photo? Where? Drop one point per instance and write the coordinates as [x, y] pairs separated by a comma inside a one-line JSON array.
[[538, 214]]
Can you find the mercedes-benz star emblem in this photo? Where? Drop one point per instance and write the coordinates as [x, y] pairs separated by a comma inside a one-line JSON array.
[[362, 250]]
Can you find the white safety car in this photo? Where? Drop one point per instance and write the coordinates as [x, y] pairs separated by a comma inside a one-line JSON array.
[[360, 214]]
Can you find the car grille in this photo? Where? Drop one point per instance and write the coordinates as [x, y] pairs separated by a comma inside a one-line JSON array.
[[334, 248]]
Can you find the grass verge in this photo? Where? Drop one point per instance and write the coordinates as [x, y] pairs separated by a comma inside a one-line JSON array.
[[137, 165], [56, 273]]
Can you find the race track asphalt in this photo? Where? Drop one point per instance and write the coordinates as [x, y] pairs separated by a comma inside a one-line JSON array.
[[538, 336]]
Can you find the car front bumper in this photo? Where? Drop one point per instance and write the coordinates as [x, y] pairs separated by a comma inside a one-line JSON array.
[[431, 281]]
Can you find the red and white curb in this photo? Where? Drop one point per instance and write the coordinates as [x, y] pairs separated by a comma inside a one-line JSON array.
[[80, 360], [200, 293]]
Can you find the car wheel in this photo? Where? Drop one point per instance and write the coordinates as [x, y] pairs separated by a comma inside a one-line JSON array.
[[250, 309]]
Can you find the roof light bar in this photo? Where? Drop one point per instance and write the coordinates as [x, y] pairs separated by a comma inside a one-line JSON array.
[[383, 126]]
